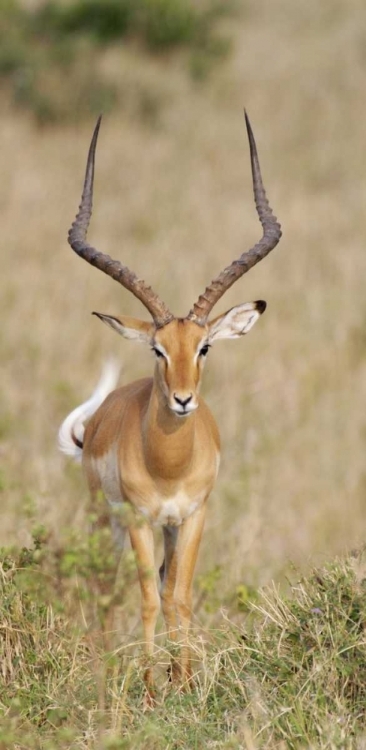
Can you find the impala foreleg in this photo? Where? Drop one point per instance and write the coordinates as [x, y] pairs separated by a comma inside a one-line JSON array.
[[189, 537], [142, 542]]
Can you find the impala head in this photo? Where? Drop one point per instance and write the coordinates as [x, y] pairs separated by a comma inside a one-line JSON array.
[[180, 345]]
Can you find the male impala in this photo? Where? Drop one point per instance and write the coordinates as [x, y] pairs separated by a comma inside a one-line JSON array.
[[154, 444]]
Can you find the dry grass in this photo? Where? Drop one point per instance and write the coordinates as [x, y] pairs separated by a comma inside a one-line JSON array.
[[173, 201]]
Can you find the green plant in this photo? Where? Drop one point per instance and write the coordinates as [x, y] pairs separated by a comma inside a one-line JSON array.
[[104, 22]]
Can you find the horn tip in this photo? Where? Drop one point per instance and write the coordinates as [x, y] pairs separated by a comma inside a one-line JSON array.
[[249, 129], [247, 121]]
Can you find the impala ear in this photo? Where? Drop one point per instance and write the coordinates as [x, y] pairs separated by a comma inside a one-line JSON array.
[[237, 321], [129, 328]]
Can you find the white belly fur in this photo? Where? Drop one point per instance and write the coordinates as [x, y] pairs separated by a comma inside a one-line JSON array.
[[173, 511], [170, 511]]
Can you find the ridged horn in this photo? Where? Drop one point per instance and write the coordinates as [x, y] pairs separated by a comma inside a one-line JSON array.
[[77, 239], [271, 236]]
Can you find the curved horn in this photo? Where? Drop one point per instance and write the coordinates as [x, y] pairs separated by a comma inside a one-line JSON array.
[[115, 269], [271, 236]]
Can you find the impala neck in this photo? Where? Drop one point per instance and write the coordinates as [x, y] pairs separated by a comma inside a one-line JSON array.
[[168, 440]]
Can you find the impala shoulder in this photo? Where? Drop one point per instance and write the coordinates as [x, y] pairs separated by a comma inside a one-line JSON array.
[[136, 389], [107, 421]]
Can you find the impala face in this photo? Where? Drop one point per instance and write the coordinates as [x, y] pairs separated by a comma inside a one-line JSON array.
[[180, 349]]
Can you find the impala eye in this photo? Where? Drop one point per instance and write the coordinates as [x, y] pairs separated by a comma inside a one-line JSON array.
[[204, 350], [157, 351]]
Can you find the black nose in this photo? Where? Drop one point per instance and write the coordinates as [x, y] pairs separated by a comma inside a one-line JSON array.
[[182, 401]]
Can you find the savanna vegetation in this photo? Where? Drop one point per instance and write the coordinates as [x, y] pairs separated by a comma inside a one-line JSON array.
[[46, 45], [279, 627]]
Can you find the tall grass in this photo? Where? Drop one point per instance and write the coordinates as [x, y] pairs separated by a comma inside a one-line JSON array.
[[292, 676]]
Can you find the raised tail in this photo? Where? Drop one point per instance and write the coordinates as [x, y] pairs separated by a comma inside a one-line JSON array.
[[71, 433]]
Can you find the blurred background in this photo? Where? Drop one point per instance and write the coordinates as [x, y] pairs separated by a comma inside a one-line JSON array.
[[173, 201]]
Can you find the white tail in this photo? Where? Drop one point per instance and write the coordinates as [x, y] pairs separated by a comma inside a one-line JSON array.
[[72, 429]]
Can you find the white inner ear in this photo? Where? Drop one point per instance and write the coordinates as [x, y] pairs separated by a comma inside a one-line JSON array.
[[133, 335], [140, 331], [234, 323]]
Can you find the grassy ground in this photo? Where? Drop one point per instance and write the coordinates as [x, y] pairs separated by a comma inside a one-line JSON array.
[[173, 201], [294, 675]]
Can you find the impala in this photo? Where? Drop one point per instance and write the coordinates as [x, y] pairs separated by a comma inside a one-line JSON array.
[[154, 444]]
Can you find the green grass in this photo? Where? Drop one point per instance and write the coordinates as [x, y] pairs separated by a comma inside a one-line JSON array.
[[293, 671]]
